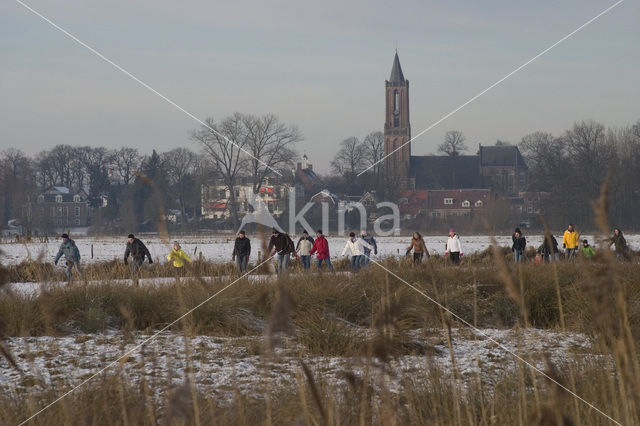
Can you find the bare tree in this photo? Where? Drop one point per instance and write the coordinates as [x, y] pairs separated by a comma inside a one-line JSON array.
[[181, 165], [17, 183], [453, 143], [348, 160], [55, 166], [271, 143], [373, 148], [591, 156], [223, 146], [127, 161]]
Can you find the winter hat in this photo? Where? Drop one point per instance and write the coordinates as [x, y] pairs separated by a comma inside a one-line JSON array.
[[319, 231], [131, 236], [305, 232], [452, 231], [65, 235], [585, 242]]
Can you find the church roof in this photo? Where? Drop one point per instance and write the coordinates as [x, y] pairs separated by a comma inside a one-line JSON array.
[[445, 172], [501, 156], [396, 71]]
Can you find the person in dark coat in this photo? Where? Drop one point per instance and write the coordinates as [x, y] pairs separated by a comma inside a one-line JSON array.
[[549, 248], [620, 244], [138, 252], [519, 245], [71, 253], [242, 251], [282, 247]]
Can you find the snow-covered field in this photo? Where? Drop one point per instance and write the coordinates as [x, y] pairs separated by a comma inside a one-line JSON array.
[[219, 248], [222, 364]]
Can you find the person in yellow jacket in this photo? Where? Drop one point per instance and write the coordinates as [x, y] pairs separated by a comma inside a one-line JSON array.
[[570, 242], [179, 258]]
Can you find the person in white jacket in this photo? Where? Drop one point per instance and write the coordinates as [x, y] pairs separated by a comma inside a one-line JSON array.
[[453, 248], [355, 248]]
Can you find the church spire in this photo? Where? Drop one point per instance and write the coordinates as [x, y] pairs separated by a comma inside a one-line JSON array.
[[396, 71]]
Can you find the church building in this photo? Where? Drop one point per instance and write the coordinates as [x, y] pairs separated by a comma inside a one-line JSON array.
[[501, 169]]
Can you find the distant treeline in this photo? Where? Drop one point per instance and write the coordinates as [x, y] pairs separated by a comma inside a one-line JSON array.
[[570, 169]]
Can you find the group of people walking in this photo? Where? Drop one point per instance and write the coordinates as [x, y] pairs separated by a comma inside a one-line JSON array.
[[549, 250], [359, 249]]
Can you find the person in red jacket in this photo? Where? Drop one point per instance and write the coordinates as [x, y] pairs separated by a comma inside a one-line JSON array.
[[321, 248]]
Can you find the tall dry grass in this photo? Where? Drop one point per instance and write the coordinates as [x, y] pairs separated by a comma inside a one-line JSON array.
[[368, 319]]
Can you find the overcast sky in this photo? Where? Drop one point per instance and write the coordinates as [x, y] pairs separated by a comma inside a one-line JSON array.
[[318, 65]]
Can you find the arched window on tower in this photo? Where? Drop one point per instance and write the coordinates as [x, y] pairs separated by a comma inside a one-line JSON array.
[[396, 108]]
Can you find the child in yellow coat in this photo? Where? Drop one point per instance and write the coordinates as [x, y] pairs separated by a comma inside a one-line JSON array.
[[179, 258]]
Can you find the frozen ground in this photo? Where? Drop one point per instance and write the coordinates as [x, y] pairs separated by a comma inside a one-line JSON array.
[[219, 248], [34, 288], [221, 365]]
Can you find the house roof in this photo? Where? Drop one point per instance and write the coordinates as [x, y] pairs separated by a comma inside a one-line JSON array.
[[396, 71], [501, 156], [61, 189], [49, 196], [325, 193], [416, 201], [311, 175], [458, 196], [445, 172]]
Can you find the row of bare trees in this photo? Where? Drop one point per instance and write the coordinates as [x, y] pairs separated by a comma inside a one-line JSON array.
[[137, 186], [356, 156], [246, 145], [571, 169]]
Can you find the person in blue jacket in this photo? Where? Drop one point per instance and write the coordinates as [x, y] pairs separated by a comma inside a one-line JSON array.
[[71, 253], [367, 252]]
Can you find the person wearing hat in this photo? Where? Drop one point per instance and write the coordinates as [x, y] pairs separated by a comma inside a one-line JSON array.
[[138, 252], [241, 251], [587, 250], [453, 248], [303, 248], [282, 247], [179, 258], [71, 253], [367, 252]]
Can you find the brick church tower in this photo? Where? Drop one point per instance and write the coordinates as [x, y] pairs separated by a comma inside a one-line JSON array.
[[397, 130]]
